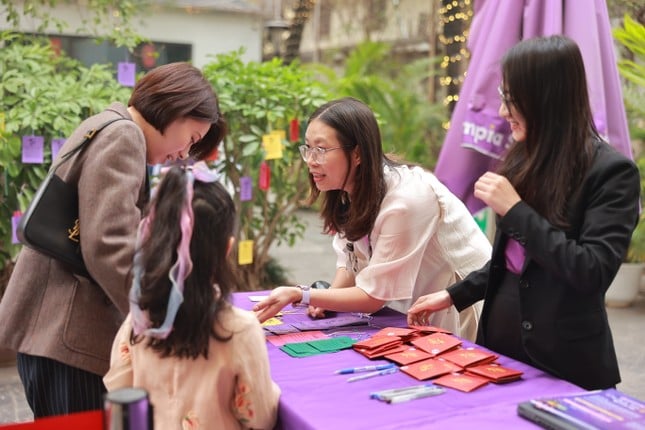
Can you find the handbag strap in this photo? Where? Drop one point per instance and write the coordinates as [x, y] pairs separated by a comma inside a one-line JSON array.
[[87, 137]]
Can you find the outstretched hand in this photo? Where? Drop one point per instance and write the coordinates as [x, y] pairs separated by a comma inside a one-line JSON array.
[[419, 313], [278, 299]]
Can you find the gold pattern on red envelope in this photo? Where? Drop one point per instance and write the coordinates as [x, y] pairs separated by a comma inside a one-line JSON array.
[[409, 356], [461, 381], [466, 357], [430, 368], [496, 373], [437, 343]]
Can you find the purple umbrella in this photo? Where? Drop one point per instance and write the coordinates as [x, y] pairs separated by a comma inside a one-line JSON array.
[[478, 136]]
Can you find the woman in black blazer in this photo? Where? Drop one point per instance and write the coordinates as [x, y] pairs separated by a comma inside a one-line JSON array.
[[567, 204]]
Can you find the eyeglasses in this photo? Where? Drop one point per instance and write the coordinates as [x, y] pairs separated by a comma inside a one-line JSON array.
[[314, 154], [503, 96]]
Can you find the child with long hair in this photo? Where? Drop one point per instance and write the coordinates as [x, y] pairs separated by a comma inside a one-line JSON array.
[[203, 361]]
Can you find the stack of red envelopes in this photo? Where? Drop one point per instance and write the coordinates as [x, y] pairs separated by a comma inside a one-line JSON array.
[[428, 352], [466, 357], [496, 373], [461, 381], [430, 368], [379, 346]]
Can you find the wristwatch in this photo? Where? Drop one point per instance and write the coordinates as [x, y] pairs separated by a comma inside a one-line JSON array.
[[306, 295]]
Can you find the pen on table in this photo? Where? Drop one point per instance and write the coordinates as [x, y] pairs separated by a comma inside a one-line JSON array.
[[416, 395], [373, 374], [401, 390], [364, 368]]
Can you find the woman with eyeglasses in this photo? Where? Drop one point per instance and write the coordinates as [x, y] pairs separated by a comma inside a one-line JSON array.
[[399, 233], [567, 204]]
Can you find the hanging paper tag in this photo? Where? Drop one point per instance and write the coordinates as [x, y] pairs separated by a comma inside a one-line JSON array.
[[294, 130], [245, 252], [246, 185], [265, 176], [15, 220], [57, 144], [125, 74], [33, 149], [272, 144]]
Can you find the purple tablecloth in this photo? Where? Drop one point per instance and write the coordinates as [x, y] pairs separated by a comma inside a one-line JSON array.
[[313, 397]]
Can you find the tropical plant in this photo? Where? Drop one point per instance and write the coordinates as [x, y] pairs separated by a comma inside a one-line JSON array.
[[632, 37], [111, 20], [42, 94], [257, 99], [411, 126]]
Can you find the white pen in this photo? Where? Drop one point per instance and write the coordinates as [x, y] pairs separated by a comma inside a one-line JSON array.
[[373, 374], [416, 395], [387, 394]]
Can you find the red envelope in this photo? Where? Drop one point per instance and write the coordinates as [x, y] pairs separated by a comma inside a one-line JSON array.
[[465, 357], [496, 373], [378, 346], [403, 333], [377, 342], [409, 356], [429, 329], [436, 343], [461, 381], [430, 368]]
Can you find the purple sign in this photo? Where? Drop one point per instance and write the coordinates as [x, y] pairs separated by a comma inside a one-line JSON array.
[[125, 74], [57, 144], [33, 149]]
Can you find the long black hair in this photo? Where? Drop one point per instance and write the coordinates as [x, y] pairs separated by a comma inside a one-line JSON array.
[[214, 225], [546, 83]]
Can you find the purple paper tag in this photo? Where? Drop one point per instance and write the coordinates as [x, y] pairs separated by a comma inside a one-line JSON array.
[[490, 135], [15, 220], [125, 74], [246, 186], [56, 146], [33, 149]]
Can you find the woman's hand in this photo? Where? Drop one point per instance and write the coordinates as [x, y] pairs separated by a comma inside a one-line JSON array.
[[316, 312], [278, 299], [425, 306], [497, 192]]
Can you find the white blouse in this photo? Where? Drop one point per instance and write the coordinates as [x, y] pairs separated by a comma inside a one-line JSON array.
[[423, 240]]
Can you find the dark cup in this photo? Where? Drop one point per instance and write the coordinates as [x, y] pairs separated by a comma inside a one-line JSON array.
[[127, 409]]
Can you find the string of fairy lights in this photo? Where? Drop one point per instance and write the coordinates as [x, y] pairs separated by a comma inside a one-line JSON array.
[[454, 17]]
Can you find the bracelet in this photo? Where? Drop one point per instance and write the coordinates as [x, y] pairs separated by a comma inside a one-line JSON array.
[[306, 296]]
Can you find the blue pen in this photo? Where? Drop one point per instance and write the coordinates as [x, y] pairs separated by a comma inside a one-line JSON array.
[[364, 368], [373, 374]]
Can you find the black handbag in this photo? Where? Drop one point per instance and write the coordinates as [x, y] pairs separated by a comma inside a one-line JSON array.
[[50, 224]]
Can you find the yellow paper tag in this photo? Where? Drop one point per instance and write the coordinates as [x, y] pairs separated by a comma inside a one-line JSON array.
[[272, 321], [272, 144], [245, 252]]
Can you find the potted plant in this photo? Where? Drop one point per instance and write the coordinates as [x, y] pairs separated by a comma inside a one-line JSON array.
[[625, 287]]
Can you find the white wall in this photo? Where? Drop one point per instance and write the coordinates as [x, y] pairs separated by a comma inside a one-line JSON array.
[[209, 32]]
